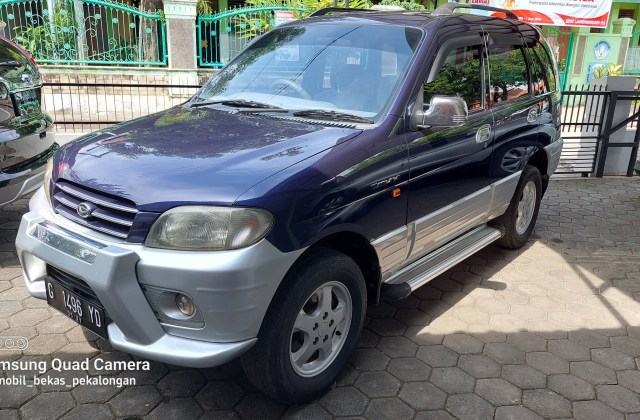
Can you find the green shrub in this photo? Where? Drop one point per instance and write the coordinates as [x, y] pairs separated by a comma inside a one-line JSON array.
[[407, 5]]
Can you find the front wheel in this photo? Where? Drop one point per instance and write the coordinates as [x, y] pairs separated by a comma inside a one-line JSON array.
[[521, 215], [310, 329]]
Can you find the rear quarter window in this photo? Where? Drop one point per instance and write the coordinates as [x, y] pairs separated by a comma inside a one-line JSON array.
[[539, 79], [548, 65]]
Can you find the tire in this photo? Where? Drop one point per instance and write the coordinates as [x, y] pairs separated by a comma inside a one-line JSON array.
[[521, 215], [289, 362]]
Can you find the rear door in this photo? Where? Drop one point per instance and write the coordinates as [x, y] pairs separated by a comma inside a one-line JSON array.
[[545, 87], [515, 106]]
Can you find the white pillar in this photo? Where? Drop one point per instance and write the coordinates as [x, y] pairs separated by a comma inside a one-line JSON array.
[[181, 17]]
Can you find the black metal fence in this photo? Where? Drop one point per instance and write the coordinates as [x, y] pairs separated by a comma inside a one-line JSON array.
[[588, 124], [625, 129], [582, 122], [83, 104]]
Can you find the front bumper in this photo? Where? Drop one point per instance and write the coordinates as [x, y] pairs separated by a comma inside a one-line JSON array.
[[26, 179], [232, 289], [554, 151], [12, 187]]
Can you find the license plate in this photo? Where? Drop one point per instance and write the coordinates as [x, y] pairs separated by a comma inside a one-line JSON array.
[[75, 307], [28, 102]]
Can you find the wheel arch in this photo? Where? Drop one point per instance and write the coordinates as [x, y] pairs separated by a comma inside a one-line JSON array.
[[360, 250], [540, 160]]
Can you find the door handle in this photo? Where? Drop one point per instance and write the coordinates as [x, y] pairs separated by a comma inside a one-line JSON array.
[[483, 134]]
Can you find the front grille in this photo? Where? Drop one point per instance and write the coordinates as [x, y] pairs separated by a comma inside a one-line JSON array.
[[111, 215]]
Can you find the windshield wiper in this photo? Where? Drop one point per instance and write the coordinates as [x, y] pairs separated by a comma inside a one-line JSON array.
[[323, 114], [237, 103]]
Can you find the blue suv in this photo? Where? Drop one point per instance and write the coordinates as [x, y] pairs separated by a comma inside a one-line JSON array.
[[339, 160]]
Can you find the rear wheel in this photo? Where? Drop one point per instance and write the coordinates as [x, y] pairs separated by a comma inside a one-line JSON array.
[[520, 218], [311, 328]]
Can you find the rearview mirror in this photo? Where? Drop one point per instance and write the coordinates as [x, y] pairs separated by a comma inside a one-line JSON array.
[[443, 111]]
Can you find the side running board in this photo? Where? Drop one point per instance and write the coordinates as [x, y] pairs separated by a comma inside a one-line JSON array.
[[401, 284]]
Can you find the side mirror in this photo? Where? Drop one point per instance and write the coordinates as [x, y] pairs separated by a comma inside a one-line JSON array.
[[443, 111]]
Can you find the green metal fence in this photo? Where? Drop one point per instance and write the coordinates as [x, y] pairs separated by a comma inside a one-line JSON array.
[[85, 32], [224, 34]]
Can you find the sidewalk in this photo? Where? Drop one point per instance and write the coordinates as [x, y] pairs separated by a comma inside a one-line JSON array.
[[550, 331]]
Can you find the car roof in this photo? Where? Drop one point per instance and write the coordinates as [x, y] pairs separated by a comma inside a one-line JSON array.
[[417, 19], [414, 19]]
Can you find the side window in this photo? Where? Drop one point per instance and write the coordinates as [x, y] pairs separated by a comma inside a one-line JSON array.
[[539, 81], [509, 75], [547, 65], [461, 74]]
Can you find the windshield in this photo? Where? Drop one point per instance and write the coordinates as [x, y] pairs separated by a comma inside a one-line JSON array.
[[348, 68]]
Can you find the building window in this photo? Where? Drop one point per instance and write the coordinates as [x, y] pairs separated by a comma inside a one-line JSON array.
[[627, 13]]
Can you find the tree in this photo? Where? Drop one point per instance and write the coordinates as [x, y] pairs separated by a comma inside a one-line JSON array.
[[148, 32]]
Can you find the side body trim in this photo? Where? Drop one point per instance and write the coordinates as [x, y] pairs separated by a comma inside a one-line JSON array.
[[392, 248], [403, 246]]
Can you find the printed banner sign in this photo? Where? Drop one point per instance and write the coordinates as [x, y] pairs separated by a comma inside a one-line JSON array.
[[283, 16], [588, 13]]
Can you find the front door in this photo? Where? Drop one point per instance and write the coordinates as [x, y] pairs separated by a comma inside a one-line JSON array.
[[449, 181]]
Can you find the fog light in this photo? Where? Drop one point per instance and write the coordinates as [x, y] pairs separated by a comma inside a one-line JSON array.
[[185, 304], [173, 308]]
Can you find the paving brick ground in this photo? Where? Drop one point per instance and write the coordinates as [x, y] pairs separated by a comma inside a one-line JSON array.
[[550, 331]]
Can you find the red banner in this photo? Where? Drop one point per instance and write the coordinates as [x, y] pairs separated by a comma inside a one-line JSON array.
[[589, 13]]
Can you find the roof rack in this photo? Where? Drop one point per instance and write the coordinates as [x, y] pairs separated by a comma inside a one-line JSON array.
[[449, 8], [328, 10]]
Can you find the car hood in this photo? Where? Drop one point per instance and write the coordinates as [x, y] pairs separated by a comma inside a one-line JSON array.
[[191, 155]]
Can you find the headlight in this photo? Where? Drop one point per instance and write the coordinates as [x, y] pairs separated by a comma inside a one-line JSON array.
[[208, 228], [48, 173]]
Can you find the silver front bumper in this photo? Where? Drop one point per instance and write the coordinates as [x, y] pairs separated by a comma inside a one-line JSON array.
[[232, 289], [554, 151]]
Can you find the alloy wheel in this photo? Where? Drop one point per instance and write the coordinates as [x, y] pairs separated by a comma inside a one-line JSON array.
[[320, 329]]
